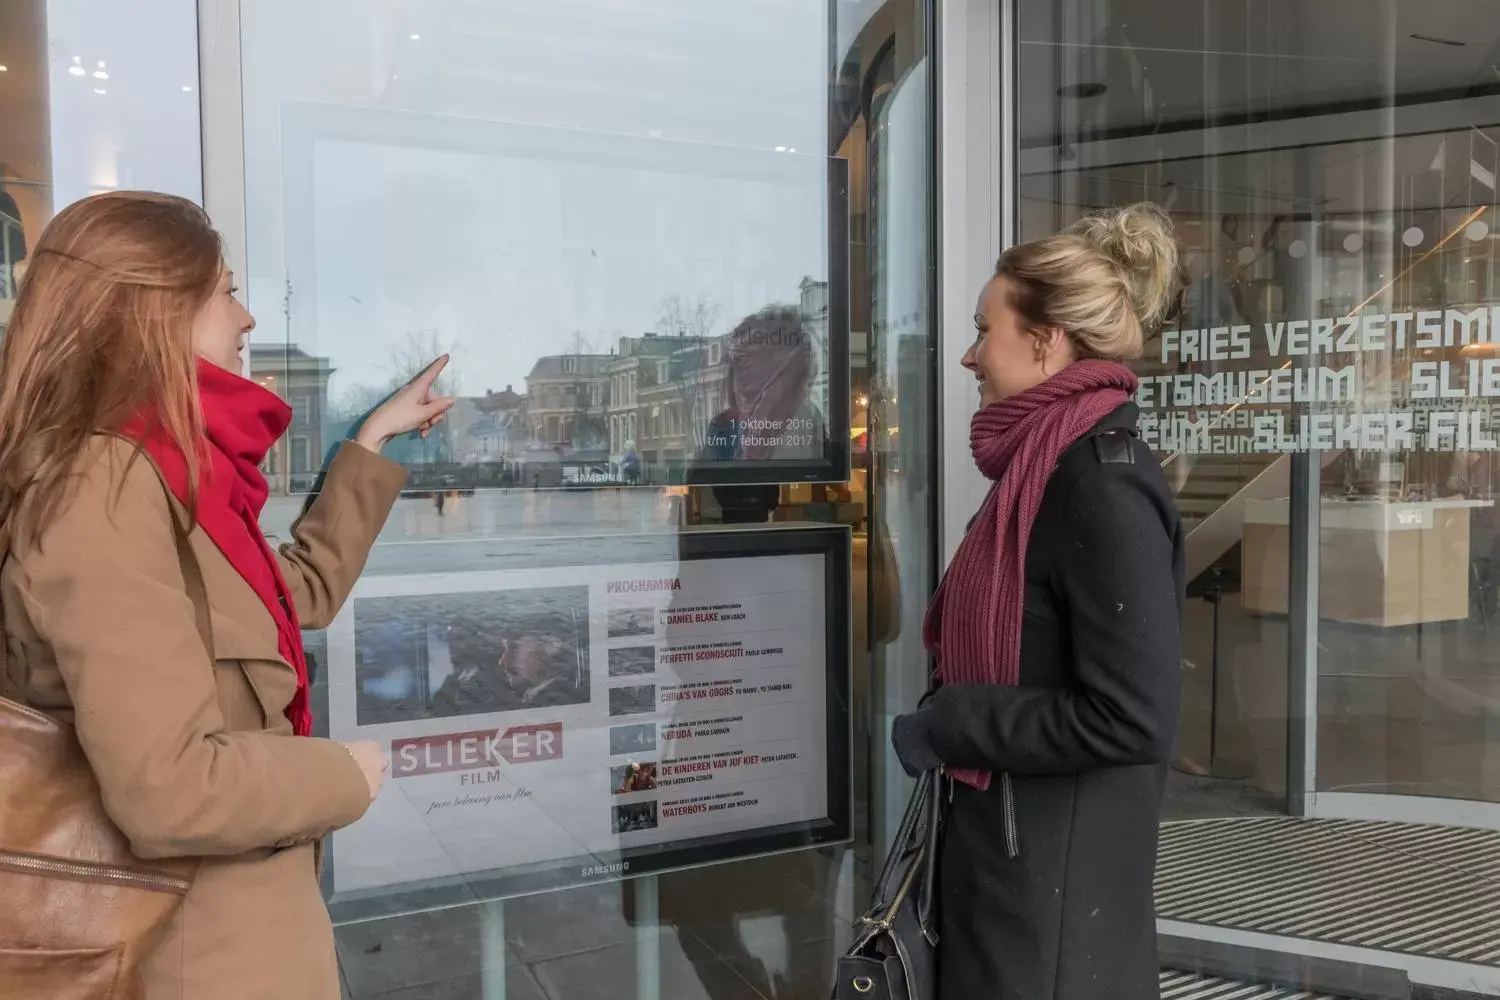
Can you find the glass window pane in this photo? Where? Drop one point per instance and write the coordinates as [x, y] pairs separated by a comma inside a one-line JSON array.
[[664, 566], [1323, 402]]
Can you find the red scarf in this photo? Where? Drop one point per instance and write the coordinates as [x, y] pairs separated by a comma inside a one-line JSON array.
[[973, 626], [242, 421]]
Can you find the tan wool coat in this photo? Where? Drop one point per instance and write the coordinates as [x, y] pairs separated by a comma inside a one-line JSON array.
[[193, 759]]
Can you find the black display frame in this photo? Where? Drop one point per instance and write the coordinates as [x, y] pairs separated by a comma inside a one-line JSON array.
[[835, 544], [304, 124]]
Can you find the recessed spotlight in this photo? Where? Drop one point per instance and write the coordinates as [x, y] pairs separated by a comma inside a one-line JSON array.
[[77, 68], [4, 69], [187, 88], [1081, 91], [100, 90], [416, 38], [1451, 42], [99, 74]]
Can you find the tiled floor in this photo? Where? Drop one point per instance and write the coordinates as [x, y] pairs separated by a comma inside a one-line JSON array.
[[766, 929]]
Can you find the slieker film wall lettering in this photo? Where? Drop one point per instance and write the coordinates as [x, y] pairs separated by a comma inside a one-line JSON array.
[[1415, 381]]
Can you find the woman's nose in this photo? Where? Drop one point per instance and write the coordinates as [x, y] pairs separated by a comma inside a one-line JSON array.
[[968, 360]]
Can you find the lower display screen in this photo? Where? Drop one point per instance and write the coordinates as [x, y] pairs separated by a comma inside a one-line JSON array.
[[560, 724]]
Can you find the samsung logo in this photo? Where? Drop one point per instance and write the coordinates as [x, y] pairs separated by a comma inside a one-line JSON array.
[[618, 868]]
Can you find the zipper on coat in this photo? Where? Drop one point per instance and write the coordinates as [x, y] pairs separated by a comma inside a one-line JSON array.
[[84, 871], [1008, 804]]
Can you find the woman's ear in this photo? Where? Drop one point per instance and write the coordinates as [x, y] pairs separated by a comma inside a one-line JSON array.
[[1059, 348]]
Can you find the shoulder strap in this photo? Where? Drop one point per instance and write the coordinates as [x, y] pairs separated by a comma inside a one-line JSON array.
[[1115, 446], [192, 571], [192, 575]]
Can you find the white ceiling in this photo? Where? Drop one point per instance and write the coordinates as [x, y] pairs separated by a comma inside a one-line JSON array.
[[1169, 63]]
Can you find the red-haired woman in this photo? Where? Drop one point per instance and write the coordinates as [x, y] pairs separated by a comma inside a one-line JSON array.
[[121, 410]]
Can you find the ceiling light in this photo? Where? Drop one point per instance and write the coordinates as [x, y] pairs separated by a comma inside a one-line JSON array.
[[4, 69], [99, 74], [100, 90], [1081, 91], [1454, 43], [416, 38], [781, 149], [187, 88], [77, 68]]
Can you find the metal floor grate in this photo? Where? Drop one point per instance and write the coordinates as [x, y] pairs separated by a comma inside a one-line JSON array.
[[1421, 890], [1186, 986]]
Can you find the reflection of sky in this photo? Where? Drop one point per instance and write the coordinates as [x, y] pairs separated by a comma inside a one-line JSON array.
[[511, 258]]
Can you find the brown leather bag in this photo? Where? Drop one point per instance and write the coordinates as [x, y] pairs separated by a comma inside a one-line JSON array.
[[78, 909]]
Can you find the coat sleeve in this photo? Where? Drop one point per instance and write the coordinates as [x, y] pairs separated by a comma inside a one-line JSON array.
[[1116, 576], [103, 588], [332, 540]]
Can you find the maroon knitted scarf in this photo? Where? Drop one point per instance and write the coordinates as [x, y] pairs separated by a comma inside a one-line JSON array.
[[973, 626]]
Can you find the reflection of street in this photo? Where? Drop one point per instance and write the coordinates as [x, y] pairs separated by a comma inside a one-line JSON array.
[[485, 530]]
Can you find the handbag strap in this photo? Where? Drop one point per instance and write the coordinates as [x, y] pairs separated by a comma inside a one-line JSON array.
[[192, 576]]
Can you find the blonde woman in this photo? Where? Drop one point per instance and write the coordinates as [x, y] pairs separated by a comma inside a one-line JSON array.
[[1055, 633], [121, 408]]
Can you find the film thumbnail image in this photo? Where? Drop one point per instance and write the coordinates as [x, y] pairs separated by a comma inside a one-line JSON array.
[[630, 661], [433, 656], [635, 739], [637, 776], [630, 623], [637, 699], [635, 816]]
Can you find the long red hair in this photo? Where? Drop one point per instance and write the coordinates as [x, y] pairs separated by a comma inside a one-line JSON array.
[[102, 333]]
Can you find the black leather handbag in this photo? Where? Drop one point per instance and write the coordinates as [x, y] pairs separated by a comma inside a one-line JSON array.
[[894, 954]]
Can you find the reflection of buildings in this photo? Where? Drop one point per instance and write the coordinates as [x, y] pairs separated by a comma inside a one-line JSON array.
[[637, 364], [302, 380], [567, 399], [491, 428], [583, 413], [676, 411], [813, 309]]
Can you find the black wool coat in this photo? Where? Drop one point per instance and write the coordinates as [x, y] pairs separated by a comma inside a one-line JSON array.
[[1045, 878]]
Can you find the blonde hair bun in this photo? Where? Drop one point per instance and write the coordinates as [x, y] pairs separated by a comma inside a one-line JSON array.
[[1138, 238]]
